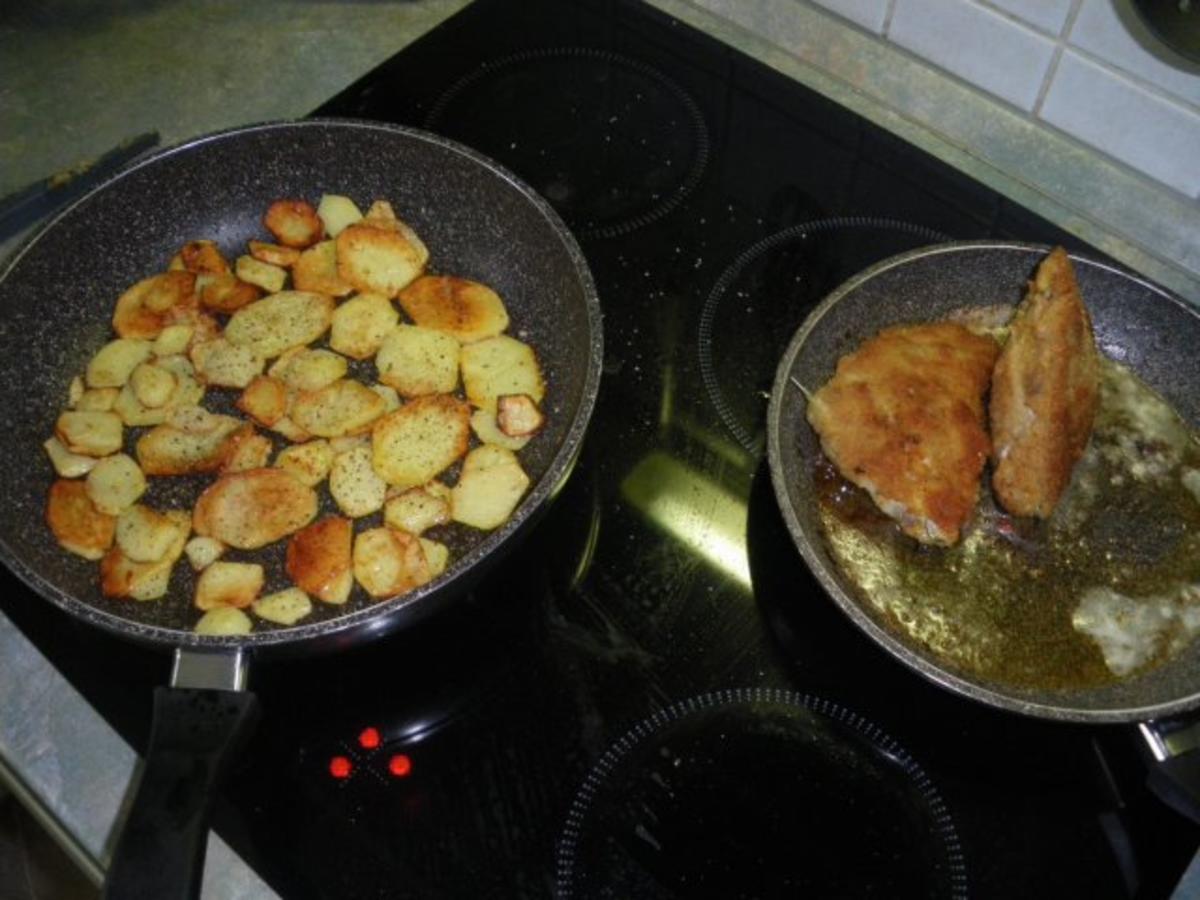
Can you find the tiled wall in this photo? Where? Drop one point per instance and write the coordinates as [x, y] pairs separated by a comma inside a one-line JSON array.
[[1073, 64]]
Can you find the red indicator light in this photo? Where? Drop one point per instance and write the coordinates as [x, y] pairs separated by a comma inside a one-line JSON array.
[[340, 767], [400, 765], [369, 738]]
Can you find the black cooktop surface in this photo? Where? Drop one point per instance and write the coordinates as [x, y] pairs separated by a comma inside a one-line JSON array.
[[652, 697]]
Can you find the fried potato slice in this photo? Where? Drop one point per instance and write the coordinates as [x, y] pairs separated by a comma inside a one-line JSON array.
[[223, 363], [355, 487], [344, 407], [201, 257], [173, 448], [174, 339], [203, 551], [465, 309], [187, 392], [308, 462], [319, 559], [483, 423], [337, 212], [121, 576], [90, 433], [417, 361], [391, 400], [280, 322], [97, 400], [245, 450], [420, 440], [286, 607], [377, 260], [153, 303], [66, 463], [291, 431], [115, 483], [389, 562], [360, 325], [294, 223], [235, 584], [152, 385], [76, 523], [251, 509], [490, 487], [269, 277], [317, 270], [228, 293], [146, 535], [224, 621], [518, 416], [115, 361], [437, 556], [497, 366], [307, 369], [274, 254], [416, 510], [265, 400]]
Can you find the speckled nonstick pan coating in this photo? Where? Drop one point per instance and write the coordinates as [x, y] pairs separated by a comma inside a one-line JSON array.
[[57, 295], [1136, 323]]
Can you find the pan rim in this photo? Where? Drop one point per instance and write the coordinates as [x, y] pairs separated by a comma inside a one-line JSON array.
[[919, 663], [381, 614]]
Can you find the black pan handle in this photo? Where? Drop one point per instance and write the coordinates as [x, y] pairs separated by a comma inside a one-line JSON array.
[[194, 738], [1174, 758]]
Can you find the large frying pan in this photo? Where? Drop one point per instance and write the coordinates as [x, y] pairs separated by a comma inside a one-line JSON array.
[[1137, 323], [56, 297]]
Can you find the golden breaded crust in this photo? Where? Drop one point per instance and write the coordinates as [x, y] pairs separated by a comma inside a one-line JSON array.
[[903, 418], [1045, 389]]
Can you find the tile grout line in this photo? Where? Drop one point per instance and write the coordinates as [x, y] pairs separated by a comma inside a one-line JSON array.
[[888, 15], [1060, 44]]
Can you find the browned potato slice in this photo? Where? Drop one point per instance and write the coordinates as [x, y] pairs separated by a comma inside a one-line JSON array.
[[265, 400], [251, 509], [305, 369], [228, 293], [420, 440], [90, 433], [341, 408], [187, 392], [121, 576], [317, 270], [418, 361], [97, 400], [280, 322], [173, 340], [152, 385], [224, 621], [308, 462], [66, 463], [360, 325], [169, 449], [264, 275], [294, 223], [416, 510], [483, 423], [466, 309], [497, 366], [203, 551], [235, 584], [76, 523], [318, 559], [286, 607], [145, 535], [115, 361], [437, 555], [202, 256], [291, 431], [355, 487], [379, 261], [488, 490], [245, 450], [337, 212], [391, 400], [389, 562], [115, 483], [381, 215], [273, 254], [225, 364], [518, 416], [153, 303]]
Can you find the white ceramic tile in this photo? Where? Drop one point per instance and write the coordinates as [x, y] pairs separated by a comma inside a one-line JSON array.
[[986, 48], [1047, 15], [1099, 30], [1155, 136], [867, 13]]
